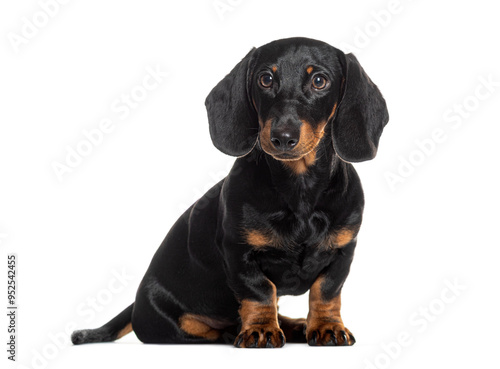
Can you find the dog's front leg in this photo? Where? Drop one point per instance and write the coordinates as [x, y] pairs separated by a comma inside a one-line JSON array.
[[258, 303], [259, 323], [324, 323]]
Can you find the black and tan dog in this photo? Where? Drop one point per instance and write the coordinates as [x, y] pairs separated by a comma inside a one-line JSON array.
[[295, 112]]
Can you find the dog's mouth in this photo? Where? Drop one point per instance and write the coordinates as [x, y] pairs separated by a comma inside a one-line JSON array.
[[289, 156]]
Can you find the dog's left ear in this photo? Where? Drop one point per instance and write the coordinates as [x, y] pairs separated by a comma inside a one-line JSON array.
[[232, 119], [361, 116]]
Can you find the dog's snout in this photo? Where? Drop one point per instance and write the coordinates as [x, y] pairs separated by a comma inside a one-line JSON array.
[[285, 138]]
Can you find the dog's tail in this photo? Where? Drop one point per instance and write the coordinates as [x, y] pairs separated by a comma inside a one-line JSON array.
[[116, 328]]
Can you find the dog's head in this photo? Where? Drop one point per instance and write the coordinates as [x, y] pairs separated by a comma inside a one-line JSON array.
[[287, 93]]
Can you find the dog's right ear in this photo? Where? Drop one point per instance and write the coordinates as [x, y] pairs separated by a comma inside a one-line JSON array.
[[232, 118]]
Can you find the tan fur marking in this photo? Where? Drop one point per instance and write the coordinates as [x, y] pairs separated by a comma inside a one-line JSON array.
[[333, 111], [309, 69], [262, 319], [196, 325], [324, 317], [341, 237], [255, 313], [308, 142], [274, 68], [344, 237], [321, 310], [265, 136], [254, 104], [257, 238], [125, 331], [300, 166]]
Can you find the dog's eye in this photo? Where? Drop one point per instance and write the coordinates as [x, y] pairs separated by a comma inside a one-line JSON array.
[[266, 80], [319, 82]]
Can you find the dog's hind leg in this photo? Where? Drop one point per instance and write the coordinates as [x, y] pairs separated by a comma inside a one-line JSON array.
[[294, 329]]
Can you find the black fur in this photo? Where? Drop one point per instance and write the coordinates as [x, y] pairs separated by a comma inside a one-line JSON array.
[[233, 122], [362, 115], [206, 265]]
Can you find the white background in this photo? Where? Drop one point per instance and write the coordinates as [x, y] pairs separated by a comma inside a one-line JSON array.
[[433, 228]]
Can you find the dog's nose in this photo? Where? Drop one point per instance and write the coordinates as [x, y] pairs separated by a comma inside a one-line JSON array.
[[284, 138]]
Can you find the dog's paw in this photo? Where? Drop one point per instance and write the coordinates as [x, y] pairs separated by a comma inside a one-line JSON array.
[[329, 334], [260, 336]]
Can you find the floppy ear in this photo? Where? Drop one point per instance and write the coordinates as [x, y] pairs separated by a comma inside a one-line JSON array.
[[361, 116], [232, 119]]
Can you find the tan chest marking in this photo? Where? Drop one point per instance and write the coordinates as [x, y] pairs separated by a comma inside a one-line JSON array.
[[258, 239], [300, 166], [341, 237]]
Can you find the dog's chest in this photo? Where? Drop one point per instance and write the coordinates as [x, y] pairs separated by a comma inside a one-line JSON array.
[[293, 249], [293, 272], [292, 232]]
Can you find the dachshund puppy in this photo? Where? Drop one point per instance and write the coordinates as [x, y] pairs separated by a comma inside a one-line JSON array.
[[296, 112]]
